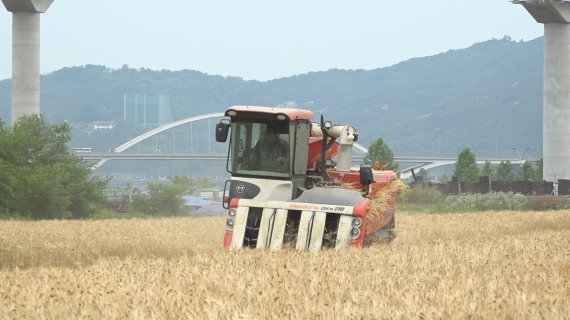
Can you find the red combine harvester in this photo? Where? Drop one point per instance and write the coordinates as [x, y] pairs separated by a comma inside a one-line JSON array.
[[286, 190]]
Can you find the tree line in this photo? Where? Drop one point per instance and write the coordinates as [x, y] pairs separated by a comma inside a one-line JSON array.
[[41, 179], [466, 167]]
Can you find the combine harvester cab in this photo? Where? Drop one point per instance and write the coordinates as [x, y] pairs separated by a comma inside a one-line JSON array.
[[285, 189]]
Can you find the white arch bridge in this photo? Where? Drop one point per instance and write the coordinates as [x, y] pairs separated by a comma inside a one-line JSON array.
[[117, 152], [416, 163]]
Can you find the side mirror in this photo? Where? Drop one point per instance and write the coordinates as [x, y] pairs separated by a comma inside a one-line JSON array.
[[222, 130], [366, 176]]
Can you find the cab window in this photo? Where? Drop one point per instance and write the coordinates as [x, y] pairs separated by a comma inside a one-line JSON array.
[[260, 148]]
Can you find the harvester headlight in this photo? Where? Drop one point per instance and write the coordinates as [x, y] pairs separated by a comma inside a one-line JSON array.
[[232, 113], [232, 212], [355, 233], [356, 222], [230, 224]]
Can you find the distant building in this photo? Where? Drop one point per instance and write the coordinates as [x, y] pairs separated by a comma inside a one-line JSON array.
[[82, 150], [146, 110], [102, 125], [212, 194]]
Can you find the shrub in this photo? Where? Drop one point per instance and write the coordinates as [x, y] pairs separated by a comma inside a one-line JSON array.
[[421, 195], [541, 203], [429, 199], [162, 198], [485, 202]]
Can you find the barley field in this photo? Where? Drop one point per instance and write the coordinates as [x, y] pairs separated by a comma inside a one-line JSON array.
[[490, 265]]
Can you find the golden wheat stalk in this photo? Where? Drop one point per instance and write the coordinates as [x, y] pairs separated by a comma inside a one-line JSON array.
[[475, 265]]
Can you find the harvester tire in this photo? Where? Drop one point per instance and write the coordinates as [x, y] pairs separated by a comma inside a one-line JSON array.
[[384, 235]]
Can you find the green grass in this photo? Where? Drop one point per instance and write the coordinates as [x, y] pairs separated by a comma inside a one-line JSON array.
[[4, 216]]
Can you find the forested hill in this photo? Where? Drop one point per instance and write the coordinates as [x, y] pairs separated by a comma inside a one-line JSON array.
[[487, 97]]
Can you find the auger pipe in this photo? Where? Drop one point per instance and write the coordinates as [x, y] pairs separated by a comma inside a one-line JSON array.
[[346, 136]]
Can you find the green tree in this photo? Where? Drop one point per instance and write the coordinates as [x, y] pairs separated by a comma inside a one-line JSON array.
[[487, 169], [379, 151], [199, 183], [163, 198], [83, 188], [504, 171], [466, 167], [527, 171], [424, 174], [39, 178], [166, 198], [7, 177], [538, 171]]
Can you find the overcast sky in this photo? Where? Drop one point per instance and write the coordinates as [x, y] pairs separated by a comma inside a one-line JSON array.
[[263, 39]]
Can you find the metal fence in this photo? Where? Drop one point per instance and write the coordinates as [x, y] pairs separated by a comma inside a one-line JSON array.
[[486, 185]]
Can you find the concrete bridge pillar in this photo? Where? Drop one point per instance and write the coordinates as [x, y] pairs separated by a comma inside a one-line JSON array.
[[26, 55], [555, 15]]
